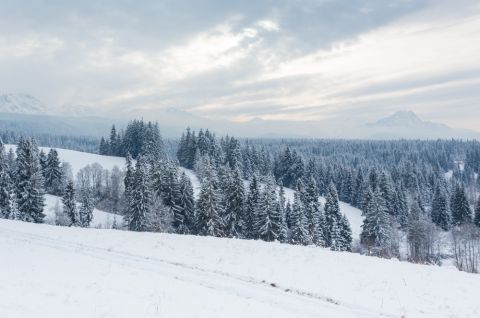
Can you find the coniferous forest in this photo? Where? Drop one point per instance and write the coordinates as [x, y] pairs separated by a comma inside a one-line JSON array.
[[415, 195]]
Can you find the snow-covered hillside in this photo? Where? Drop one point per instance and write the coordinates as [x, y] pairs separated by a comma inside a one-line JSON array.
[[53, 271], [78, 160]]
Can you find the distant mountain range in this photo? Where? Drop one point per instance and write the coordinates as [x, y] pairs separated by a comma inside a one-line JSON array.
[[406, 124], [21, 104], [25, 113]]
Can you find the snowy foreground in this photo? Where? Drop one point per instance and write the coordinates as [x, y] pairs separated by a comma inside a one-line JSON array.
[[50, 271]]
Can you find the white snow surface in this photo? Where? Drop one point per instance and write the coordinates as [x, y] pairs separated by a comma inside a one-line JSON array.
[[79, 160], [50, 271], [101, 219]]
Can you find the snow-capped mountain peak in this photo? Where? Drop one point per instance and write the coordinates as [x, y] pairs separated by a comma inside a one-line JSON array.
[[401, 118], [21, 104]]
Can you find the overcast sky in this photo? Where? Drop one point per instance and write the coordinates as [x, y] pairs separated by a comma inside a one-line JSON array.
[[297, 59]]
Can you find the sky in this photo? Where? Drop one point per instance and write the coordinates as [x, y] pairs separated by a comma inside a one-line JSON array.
[[356, 60]]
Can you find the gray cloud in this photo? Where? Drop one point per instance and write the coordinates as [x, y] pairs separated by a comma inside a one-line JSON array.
[[304, 59]]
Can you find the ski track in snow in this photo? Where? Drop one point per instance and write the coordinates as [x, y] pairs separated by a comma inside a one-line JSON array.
[[291, 301]]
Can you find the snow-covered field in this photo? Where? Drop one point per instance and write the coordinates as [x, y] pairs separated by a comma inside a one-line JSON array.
[[49, 271]]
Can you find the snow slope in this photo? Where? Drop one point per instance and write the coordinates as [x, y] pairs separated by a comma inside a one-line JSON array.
[[73, 272], [79, 160], [101, 219]]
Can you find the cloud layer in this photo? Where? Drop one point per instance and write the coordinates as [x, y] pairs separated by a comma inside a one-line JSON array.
[[282, 60]]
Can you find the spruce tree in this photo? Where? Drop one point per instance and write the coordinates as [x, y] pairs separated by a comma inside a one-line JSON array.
[[299, 225], [128, 182], [87, 205], [377, 230], [461, 212], [476, 219], [70, 205], [313, 213], [345, 234], [53, 173], [209, 208], [283, 214], [187, 206], [440, 212], [141, 197], [332, 214], [234, 216], [6, 186], [268, 220], [29, 182], [253, 199]]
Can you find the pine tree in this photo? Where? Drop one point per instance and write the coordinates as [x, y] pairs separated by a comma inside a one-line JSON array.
[[70, 205], [52, 173], [299, 226], [461, 212], [29, 182], [377, 230], [476, 220], [6, 186], [440, 212], [332, 215], [283, 214], [313, 213], [187, 206], [141, 198], [87, 205], [234, 216], [401, 206], [209, 208], [345, 234], [268, 220], [128, 182], [253, 199]]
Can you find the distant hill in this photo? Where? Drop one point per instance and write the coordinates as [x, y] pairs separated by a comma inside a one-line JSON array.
[[406, 124]]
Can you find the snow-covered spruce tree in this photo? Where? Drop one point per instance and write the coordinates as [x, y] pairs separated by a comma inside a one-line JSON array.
[[313, 213], [377, 230], [6, 186], [87, 205], [299, 225], [401, 206], [70, 205], [253, 199], [268, 220], [332, 214], [29, 182], [53, 173], [283, 213], [440, 210], [234, 216], [187, 206], [345, 234], [141, 197], [476, 219], [387, 191], [128, 182], [461, 212], [209, 207]]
